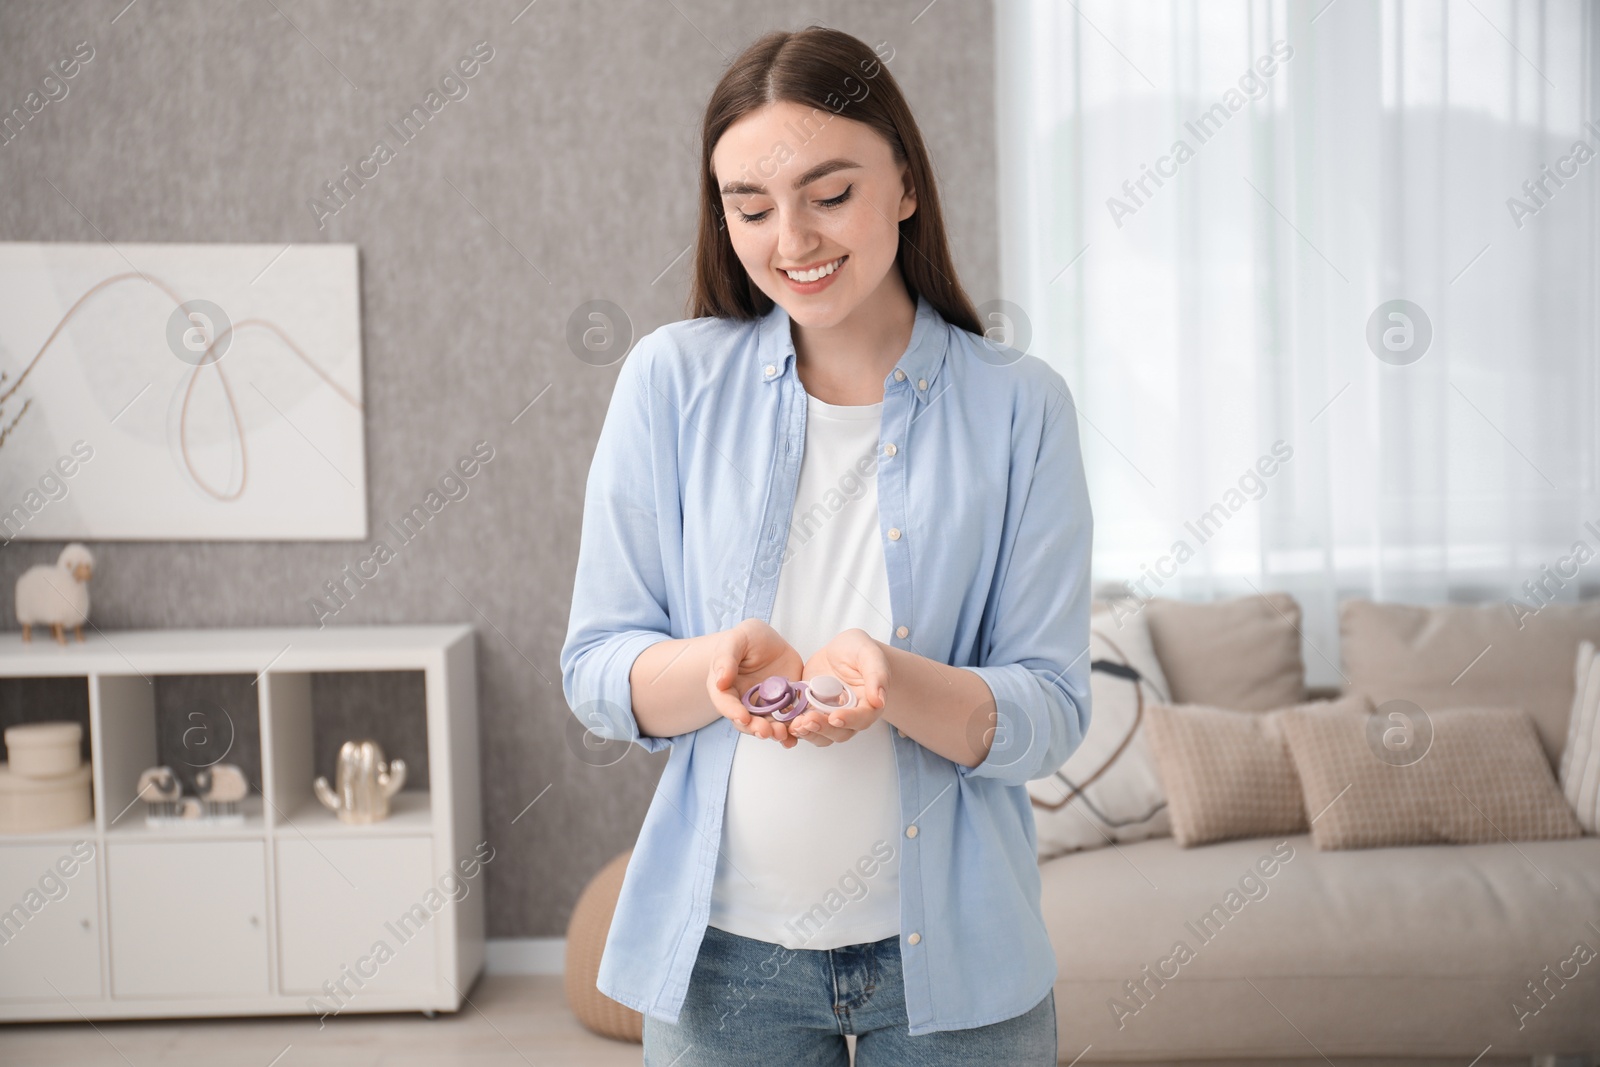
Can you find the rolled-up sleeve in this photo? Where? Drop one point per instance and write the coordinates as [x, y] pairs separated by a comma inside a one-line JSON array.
[[619, 597], [1037, 664]]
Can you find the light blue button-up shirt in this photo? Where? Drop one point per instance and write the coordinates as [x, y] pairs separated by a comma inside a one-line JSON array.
[[984, 512]]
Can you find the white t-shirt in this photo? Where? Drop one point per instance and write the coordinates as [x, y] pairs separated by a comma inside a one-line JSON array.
[[810, 854]]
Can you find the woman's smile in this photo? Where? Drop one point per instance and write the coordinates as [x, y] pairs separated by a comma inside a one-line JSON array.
[[816, 278]]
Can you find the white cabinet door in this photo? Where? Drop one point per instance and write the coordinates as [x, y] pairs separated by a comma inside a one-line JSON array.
[[50, 930], [188, 918], [362, 914]]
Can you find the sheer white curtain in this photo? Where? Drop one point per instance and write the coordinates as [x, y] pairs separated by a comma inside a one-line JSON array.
[[1208, 210]]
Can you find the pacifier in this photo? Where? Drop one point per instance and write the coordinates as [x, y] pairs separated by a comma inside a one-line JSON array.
[[778, 697], [829, 692], [784, 700]]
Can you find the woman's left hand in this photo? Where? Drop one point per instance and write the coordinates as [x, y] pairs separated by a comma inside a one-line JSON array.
[[859, 662]]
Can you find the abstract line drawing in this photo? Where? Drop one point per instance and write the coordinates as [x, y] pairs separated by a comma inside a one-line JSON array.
[[205, 361], [227, 407]]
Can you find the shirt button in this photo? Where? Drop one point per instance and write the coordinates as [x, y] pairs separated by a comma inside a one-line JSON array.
[[899, 731], [771, 370], [889, 449], [911, 831], [894, 533], [902, 632], [922, 383], [914, 938], [899, 375]]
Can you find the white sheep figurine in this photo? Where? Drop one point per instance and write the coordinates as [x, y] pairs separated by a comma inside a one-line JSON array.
[[56, 596]]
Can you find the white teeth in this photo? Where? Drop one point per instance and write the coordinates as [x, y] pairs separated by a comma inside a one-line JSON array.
[[816, 272]]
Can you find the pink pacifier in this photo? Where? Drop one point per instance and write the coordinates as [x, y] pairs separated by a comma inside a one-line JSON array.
[[778, 697], [784, 700]]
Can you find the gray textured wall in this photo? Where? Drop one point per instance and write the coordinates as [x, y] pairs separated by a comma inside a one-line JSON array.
[[576, 147]]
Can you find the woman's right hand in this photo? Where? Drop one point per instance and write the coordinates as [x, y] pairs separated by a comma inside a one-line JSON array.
[[747, 655]]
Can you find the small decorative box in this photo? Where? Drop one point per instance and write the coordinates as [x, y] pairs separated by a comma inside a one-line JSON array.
[[44, 749], [34, 805]]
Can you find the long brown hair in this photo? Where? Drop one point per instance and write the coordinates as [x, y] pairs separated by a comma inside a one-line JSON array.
[[832, 72]]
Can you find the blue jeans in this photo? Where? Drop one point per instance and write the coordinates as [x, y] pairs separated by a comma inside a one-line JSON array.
[[755, 1002]]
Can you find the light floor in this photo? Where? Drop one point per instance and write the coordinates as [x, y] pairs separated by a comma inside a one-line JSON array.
[[510, 1022]]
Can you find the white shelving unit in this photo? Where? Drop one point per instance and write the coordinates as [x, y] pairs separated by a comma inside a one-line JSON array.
[[282, 915]]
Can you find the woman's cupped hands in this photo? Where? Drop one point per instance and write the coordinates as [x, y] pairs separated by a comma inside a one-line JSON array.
[[753, 651]]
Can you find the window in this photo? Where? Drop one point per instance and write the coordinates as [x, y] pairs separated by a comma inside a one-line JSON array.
[[1322, 278]]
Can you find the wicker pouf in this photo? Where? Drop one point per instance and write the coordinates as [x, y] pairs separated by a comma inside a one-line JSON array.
[[586, 939]]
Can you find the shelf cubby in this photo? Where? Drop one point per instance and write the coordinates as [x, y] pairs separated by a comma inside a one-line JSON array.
[[182, 721], [61, 698], [309, 715]]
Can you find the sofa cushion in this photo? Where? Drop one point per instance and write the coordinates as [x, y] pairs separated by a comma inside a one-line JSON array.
[[1472, 775], [1228, 773], [1580, 760], [1426, 950], [1241, 653], [1455, 655], [1108, 790]]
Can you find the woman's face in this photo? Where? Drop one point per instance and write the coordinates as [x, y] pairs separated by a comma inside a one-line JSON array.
[[807, 190]]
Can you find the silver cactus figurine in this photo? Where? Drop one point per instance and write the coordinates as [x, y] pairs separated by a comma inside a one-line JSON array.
[[366, 782]]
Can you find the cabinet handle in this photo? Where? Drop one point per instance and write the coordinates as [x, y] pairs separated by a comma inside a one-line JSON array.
[[255, 920], [85, 923]]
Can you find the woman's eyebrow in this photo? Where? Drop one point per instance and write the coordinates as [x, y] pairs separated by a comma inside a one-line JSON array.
[[821, 170]]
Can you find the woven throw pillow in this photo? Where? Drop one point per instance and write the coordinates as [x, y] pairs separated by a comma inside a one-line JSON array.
[[1228, 773], [1241, 653], [1580, 760], [1108, 791], [1475, 775]]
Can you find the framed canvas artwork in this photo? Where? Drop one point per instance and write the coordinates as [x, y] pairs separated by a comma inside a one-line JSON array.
[[180, 392]]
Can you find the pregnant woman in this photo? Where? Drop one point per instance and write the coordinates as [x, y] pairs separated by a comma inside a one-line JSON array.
[[828, 471]]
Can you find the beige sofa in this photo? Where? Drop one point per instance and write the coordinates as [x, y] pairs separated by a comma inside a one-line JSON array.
[[1406, 955]]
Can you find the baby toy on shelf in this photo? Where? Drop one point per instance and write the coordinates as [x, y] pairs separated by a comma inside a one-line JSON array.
[[221, 789], [56, 595], [785, 700]]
